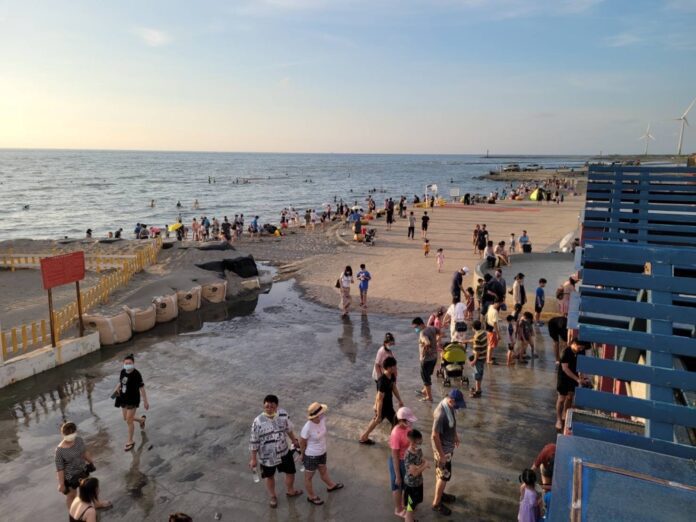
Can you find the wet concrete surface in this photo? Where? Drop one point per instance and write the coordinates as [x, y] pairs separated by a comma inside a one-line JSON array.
[[205, 387]]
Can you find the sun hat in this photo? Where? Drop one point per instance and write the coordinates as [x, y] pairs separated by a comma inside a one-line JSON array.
[[315, 409], [405, 413], [458, 397]]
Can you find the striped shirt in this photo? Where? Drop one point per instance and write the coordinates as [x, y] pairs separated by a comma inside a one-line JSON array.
[[70, 460], [480, 344]]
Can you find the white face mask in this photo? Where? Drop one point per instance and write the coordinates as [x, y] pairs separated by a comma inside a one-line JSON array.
[[69, 438]]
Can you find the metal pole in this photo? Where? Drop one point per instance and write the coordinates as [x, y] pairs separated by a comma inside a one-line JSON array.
[[50, 318], [79, 309]]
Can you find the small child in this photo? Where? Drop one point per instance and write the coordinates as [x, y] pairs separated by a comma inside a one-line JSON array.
[[478, 359], [426, 247], [479, 293], [510, 338], [513, 243], [364, 278], [413, 481], [440, 256], [530, 500], [525, 335], [539, 302], [469, 305]]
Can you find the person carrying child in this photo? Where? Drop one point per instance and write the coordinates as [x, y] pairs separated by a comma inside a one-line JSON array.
[[525, 336], [440, 257], [413, 481], [364, 277]]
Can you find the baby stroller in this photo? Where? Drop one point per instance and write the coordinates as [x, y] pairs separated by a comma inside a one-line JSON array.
[[370, 237], [453, 363]]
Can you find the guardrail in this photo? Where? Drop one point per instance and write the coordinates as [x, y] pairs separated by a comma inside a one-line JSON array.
[[35, 334]]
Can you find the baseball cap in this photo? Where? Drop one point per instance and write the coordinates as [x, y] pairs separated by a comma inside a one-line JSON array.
[[465, 269], [458, 397], [406, 414]]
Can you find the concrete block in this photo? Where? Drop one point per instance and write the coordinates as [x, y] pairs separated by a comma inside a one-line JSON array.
[[46, 358]]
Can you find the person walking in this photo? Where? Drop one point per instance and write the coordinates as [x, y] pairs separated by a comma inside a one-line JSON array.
[[343, 284], [73, 462], [519, 295], [458, 282], [493, 330], [313, 447], [398, 444], [364, 278], [384, 400], [268, 445], [415, 465], [445, 439], [567, 290], [427, 350], [128, 393], [84, 507], [411, 225], [383, 352], [425, 219]]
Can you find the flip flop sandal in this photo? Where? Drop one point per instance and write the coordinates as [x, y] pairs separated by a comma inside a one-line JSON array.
[[336, 487], [367, 442], [294, 494], [129, 447], [273, 502], [316, 501]]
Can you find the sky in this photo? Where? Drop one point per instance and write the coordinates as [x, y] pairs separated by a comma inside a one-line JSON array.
[[354, 76]]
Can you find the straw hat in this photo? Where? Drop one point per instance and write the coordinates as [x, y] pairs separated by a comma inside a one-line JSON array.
[[315, 409]]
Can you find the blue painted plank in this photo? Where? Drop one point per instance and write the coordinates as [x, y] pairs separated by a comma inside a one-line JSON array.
[[674, 345], [613, 252], [600, 218], [664, 209], [643, 224], [625, 197], [600, 305], [686, 285], [625, 371], [647, 409], [635, 441]]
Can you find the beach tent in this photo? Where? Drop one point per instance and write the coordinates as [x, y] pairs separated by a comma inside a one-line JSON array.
[[534, 196]]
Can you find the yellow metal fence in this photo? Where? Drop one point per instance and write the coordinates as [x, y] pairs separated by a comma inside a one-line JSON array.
[[35, 334]]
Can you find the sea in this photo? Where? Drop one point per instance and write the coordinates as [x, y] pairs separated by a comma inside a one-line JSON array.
[[59, 193]]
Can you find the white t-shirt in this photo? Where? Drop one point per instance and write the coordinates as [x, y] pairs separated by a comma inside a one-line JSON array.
[[492, 316], [315, 433], [456, 313]]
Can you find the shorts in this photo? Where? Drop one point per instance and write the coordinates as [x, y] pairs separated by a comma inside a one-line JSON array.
[[388, 415], [312, 462], [538, 309], [413, 495], [492, 340], [287, 466], [425, 227], [363, 291], [479, 365], [565, 387], [427, 368], [444, 473], [392, 474], [511, 347]]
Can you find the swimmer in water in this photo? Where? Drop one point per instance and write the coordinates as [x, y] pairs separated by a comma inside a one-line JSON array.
[[196, 206], [178, 204], [26, 207], [152, 203]]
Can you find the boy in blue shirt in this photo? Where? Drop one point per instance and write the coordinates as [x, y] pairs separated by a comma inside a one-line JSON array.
[[364, 278], [539, 301]]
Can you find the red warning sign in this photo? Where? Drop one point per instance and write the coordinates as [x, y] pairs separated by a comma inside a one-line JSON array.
[[63, 269]]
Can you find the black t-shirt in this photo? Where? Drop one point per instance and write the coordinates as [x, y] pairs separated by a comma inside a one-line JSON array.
[[570, 358], [457, 283], [495, 287], [424, 221], [386, 385], [482, 239], [130, 387]]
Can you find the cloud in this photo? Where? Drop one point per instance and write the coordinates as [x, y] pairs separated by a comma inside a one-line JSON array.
[[153, 37], [680, 42], [622, 40], [682, 5], [284, 82], [578, 6]]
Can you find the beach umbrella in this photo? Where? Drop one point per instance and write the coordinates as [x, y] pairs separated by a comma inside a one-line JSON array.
[[357, 207], [175, 227]]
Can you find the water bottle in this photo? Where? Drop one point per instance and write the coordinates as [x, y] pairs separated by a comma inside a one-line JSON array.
[[297, 455], [255, 476]]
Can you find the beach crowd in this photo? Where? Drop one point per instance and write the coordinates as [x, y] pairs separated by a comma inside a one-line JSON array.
[[470, 331]]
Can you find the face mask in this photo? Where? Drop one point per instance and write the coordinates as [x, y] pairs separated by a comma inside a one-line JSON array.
[[417, 330], [69, 438], [128, 367]]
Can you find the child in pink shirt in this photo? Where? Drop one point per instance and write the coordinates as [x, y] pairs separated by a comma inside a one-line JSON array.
[[440, 257]]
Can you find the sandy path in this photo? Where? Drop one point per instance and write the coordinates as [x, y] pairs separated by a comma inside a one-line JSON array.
[[406, 282]]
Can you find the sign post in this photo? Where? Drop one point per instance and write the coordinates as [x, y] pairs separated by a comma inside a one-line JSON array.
[[63, 270]]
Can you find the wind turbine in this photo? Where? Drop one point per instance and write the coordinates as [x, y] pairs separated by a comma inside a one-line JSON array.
[[684, 123], [647, 137]]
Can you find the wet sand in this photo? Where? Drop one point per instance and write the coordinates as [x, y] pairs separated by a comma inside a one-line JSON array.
[[206, 386]]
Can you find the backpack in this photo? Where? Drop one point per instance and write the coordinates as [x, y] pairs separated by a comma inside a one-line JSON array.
[[559, 293]]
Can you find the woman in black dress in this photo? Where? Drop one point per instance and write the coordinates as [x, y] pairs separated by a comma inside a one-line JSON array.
[[129, 390]]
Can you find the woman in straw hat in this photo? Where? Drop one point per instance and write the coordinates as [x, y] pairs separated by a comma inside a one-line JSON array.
[[313, 446]]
